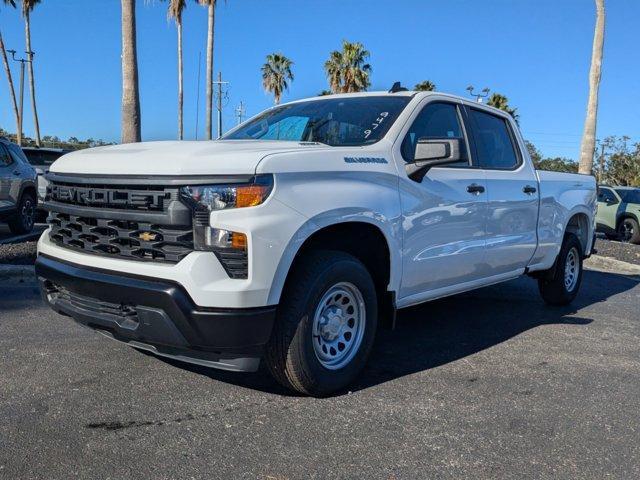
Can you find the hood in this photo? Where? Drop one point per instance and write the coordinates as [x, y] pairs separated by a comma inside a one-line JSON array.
[[219, 157]]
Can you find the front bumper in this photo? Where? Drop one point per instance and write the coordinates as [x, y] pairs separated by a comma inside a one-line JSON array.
[[156, 315]]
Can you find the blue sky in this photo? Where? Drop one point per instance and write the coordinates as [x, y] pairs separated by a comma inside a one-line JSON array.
[[537, 52]]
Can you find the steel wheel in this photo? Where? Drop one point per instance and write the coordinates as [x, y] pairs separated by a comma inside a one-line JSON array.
[[571, 268], [338, 325]]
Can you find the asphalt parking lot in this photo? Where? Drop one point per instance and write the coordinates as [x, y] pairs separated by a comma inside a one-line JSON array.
[[490, 384]]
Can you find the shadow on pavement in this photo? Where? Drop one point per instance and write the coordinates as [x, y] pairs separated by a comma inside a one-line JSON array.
[[443, 331]]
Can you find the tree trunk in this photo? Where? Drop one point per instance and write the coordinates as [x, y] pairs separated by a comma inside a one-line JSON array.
[[180, 82], [32, 85], [209, 124], [587, 149], [12, 91], [130, 94]]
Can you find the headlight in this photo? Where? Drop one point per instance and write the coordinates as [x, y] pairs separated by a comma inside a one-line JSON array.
[[221, 197], [230, 247]]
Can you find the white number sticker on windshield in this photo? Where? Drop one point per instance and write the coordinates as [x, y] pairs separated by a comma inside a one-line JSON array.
[[381, 118]]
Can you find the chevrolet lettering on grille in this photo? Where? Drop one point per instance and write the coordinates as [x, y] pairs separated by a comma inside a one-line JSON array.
[[106, 196]]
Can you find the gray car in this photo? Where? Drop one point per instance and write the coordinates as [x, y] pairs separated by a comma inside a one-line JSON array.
[[18, 183]]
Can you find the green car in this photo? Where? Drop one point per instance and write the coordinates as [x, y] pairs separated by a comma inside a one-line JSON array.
[[618, 213]]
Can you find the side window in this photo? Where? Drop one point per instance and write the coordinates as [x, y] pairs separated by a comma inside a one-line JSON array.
[[436, 120], [5, 158], [606, 196], [17, 154], [494, 144]]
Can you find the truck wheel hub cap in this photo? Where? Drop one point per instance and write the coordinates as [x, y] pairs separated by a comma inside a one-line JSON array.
[[338, 325], [571, 270]]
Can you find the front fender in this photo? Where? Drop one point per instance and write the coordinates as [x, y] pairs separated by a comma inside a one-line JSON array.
[[388, 228]]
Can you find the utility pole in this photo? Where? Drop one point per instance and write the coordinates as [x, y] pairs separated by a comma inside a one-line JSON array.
[[22, 61], [240, 112], [479, 96], [220, 83]]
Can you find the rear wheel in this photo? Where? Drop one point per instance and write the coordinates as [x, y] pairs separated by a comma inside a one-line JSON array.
[[629, 231], [326, 324], [23, 220], [560, 285]]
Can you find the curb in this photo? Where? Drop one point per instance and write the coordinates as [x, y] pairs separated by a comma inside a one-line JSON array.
[[612, 265], [17, 274]]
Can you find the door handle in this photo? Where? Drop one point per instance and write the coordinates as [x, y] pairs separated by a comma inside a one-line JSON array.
[[475, 188], [529, 189]]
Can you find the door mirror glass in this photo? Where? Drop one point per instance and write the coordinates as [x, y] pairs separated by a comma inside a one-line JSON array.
[[431, 152]]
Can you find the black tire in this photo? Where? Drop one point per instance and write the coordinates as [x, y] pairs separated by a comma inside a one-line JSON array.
[[629, 231], [291, 353], [24, 218], [552, 285]]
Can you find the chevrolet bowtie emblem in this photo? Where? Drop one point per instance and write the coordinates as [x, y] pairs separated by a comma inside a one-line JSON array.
[[147, 236]]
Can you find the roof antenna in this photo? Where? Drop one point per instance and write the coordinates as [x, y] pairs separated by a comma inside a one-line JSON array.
[[397, 88]]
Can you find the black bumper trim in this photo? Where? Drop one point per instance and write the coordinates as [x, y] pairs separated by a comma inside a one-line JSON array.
[[153, 311]]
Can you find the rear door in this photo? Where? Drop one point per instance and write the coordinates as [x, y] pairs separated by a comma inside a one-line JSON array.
[[7, 201], [512, 193]]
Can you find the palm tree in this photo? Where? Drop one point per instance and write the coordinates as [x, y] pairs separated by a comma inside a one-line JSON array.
[[333, 67], [7, 71], [131, 119], [275, 74], [176, 8], [425, 86], [588, 147], [501, 102], [27, 8], [211, 7], [347, 70]]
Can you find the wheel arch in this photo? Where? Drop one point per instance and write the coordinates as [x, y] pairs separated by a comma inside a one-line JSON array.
[[28, 186], [580, 224], [360, 236]]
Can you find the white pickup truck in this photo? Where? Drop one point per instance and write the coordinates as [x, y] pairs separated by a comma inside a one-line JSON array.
[[301, 231]]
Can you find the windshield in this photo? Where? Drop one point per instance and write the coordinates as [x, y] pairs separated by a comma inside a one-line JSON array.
[[629, 196], [334, 121]]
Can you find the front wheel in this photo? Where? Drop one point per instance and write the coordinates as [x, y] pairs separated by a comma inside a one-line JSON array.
[[560, 285], [23, 220], [326, 324], [629, 231]]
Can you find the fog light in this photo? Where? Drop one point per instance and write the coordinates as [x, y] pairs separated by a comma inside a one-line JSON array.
[[218, 238]]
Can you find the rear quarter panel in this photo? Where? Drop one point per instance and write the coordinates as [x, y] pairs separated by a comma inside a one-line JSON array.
[[562, 195]]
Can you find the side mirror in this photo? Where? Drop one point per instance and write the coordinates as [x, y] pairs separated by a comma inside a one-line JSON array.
[[431, 152], [611, 201]]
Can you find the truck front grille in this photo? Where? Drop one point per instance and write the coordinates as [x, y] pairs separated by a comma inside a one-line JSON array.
[[129, 221], [134, 222], [122, 238]]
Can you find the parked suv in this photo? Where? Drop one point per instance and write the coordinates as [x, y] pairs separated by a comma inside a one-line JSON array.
[[17, 188], [41, 159], [618, 213]]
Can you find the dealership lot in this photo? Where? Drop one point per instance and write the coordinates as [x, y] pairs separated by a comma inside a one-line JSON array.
[[488, 384]]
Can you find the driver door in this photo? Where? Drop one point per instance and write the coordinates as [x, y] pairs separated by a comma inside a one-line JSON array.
[[444, 215]]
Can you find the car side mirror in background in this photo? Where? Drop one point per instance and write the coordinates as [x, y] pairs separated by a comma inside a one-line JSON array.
[[611, 201], [431, 152]]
